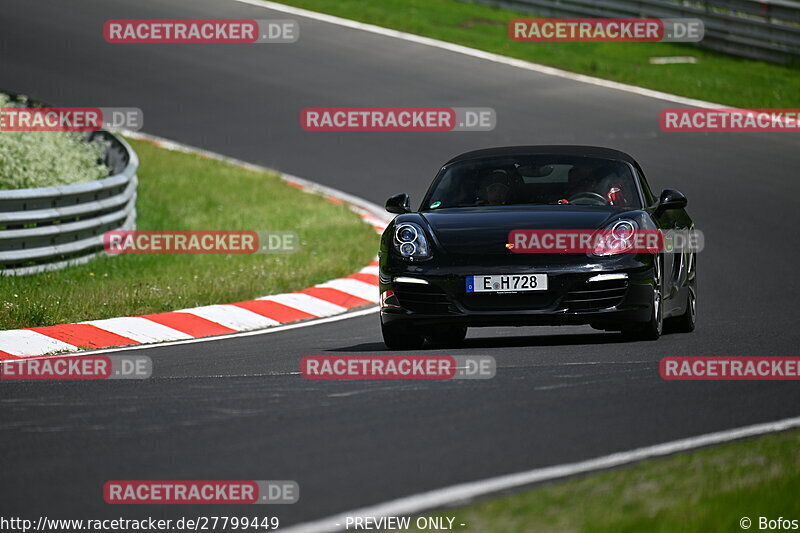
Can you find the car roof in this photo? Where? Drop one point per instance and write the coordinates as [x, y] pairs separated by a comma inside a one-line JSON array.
[[575, 150]]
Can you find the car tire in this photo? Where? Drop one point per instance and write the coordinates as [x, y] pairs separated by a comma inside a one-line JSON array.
[[448, 336], [686, 322], [399, 336], [652, 329]]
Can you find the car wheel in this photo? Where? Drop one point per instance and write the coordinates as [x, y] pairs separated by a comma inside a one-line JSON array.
[[652, 329], [399, 336], [686, 322], [448, 336]]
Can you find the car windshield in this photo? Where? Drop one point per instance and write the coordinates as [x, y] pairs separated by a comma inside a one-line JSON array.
[[532, 180]]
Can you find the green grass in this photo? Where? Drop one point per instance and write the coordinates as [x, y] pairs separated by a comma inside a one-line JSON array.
[[186, 192], [716, 77], [704, 491]]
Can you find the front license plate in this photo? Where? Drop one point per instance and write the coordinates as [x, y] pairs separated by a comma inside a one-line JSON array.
[[507, 283]]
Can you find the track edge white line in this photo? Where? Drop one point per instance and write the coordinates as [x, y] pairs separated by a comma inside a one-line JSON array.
[[466, 492], [482, 54]]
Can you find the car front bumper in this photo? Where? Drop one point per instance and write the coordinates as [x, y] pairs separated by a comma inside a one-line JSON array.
[[604, 292]]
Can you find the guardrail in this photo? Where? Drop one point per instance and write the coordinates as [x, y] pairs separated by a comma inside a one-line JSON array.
[[768, 30], [49, 228]]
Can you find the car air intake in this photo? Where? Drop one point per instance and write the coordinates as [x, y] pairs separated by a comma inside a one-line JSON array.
[[421, 298], [596, 295]]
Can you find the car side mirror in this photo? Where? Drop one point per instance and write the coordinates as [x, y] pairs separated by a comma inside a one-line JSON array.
[[399, 204], [671, 199]]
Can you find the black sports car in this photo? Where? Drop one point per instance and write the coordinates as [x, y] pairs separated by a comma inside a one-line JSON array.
[[452, 264]]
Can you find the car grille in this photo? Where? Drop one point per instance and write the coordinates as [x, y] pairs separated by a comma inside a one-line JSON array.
[[422, 298], [595, 295]]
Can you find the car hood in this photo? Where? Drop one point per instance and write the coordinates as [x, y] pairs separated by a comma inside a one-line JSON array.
[[484, 230]]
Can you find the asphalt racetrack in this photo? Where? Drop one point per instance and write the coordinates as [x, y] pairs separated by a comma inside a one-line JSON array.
[[236, 408]]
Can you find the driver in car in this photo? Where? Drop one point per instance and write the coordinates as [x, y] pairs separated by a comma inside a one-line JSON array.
[[498, 191], [602, 183]]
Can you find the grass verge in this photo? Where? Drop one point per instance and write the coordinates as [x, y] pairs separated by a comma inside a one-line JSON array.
[[180, 191], [715, 77], [705, 491]]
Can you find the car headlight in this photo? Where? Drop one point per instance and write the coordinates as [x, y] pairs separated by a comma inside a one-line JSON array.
[[410, 241], [616, 238]]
